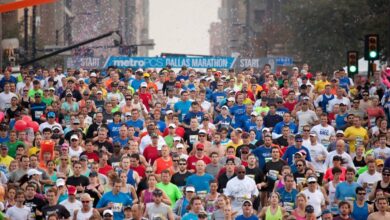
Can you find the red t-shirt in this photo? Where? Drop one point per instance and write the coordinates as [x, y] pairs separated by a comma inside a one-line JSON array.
[[151, 154], [146, 98], [140, 170], [105, 170], [191, 161], [329, 176], [93, 155], [290, 105]]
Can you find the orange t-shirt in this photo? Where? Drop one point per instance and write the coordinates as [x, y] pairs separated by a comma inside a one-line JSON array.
[[162, 165]]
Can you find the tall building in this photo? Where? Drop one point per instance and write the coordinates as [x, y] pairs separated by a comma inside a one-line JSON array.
[[247, 28]]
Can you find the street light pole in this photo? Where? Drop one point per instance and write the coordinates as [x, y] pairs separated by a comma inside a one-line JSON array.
[[34, 32]]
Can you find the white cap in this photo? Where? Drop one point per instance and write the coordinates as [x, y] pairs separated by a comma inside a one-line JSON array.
[[179, 145], [140, 70], [93, 74], [74, 137], [108, 211], [339, 132], [172, 125], [265, 129], [60, 182], [295, 68], [99, 92], [232, 99], [190, 189], [176, 138], [128, 114], [254, 113], [169, 112], [311, 179], [144, 84], [225, 107], [306, 98], [202, 131], [239, 129], [31, 172]]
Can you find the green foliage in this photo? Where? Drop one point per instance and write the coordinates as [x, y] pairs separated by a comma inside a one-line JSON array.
[[322, 31]]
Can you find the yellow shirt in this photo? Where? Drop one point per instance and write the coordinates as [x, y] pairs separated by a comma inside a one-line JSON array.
[[33, 151], [6, 161], [360, 134], [230, 143], [320, 86]]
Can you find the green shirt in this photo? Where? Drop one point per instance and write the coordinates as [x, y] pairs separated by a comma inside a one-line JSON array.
[[47, 100], [169, 140], [173, 192], [12, 148], [32, 92]]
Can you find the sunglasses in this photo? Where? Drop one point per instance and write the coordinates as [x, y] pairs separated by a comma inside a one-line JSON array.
[[362, 193], [306, 130], [84, 202], [299, 165], [311, 182], [199, 149], [384, 174], [201, 135], [182, 164], [298, 141], [248, 205], [128, 99], [241, 172], [175, 161], [74, 161]]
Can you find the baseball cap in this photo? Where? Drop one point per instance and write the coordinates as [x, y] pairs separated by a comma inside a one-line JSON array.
[[169, 112], [60, 182], [74, 137], [311, 179], [31, 172], [247, 202], [239, 130], [172, 126], [231, 99], [265, 130], [76, 121], [302, 152], [326, 211], [298, 137], [93, 174], [386, 170], [225, 107], [309, 209], [190, 189], [312, 133], [92, 74], [127, 114], [157, 192], [84, 157], [339, 132], [51, 115], [379, 162], [306, 98], [254, 114], [144, 85], [72, 190], [3, 146], [146, 75], [200, 146], [176, 138], [201, 131], [108, 212], [179, 145]]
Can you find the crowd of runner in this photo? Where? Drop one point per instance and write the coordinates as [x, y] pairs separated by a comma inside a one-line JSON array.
[[183, 144]]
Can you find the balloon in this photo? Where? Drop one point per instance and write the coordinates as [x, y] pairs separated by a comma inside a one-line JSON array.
[[34, 125], [20, 125], [26, 118], [1, 116]]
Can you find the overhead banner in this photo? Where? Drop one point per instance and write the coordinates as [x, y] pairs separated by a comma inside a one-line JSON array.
[[193, 62], [84, 62]]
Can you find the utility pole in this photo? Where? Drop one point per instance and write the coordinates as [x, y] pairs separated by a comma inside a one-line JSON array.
[[34, 31], [25, 46]]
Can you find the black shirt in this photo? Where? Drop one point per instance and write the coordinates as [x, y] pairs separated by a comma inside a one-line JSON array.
[[34, 205], [60, 210], [272, 170], [180, 179], [77, 181], [281, 141], [105, 144], [191, 135], [222, 181]]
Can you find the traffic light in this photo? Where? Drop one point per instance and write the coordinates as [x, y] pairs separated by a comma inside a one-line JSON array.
[[352, 62], [371, 47]]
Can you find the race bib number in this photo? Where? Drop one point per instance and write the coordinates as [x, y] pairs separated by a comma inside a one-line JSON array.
[[202, 194], [289, 206], [301, 180], [38, 114], [117, 207], [273, 174], [193, 138], [268, 159]]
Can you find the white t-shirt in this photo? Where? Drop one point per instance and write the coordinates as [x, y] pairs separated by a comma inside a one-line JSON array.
[[5, 100], [335, 101], [323, 134], [380, 153], [347, 159], [71, 206], [369, 179], [316, 199], [76, 153], [240, 190], [318, 150], [18, 213], [306, 118]]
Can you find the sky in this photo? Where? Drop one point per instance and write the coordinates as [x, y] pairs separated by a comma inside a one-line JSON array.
[[181, 26]]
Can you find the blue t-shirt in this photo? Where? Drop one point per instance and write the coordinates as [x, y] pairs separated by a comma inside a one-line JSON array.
[[346, 191], [114, 129], [218, 96], [184, 108], [122, 142], [190, 216], [263, 154], [119, 200], [278, 127], [135, 83], [3, 140], [242, 217], [201, 183], [190, 114], [161, 126], [287, 198], [136, 124], [289, 154], [249, 125], [225, 122]]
